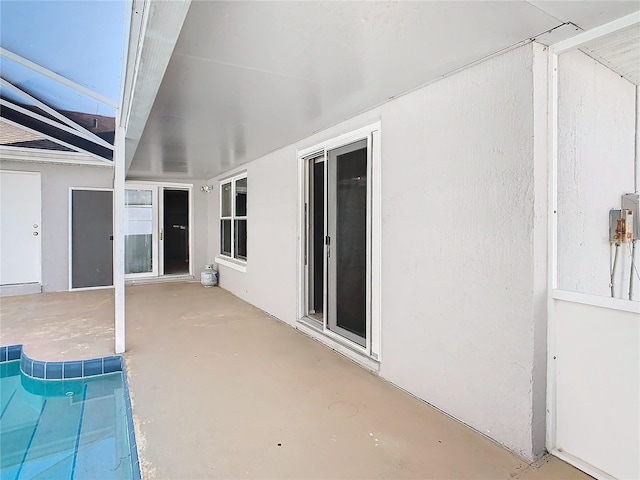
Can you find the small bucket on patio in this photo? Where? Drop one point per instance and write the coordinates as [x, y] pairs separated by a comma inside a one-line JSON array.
[[209, 277]]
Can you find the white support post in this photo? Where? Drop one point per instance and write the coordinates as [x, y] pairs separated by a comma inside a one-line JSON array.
[[118, 237]]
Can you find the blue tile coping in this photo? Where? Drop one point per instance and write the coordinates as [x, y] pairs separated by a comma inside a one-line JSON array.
[[61, 370], [78, 369]]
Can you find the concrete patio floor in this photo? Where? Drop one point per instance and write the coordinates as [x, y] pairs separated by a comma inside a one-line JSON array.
[[222, 390]]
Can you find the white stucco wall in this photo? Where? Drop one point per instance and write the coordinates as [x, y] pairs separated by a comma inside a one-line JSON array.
[[596, 139], [463, 243], [55, 182], [459, 282]]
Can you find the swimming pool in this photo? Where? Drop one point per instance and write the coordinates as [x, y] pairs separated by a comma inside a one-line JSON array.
[[71, 428]]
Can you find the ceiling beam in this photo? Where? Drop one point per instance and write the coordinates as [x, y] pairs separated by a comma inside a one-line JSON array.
[[54, 76], [54, 113], [56, 140], [602, 30], [40, 118]]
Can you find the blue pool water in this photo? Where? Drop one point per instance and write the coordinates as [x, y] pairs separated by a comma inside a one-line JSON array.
[[63, 429]]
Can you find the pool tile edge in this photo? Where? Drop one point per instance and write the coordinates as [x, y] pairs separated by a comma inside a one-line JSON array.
[[68, 369], [77, 369]]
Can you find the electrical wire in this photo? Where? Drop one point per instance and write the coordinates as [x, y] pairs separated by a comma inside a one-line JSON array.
[[613, 270], [634, 268]]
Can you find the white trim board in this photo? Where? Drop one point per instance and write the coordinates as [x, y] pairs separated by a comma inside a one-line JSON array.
[[596, 301], [37, 155]]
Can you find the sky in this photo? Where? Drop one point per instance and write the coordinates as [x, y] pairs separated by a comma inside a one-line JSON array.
[[80, 40]]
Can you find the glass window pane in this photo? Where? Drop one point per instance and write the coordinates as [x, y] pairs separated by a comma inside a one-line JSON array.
[[225, 201], [138, 197], [349, 249], [241, 197], [241, 239], [138, 239], [225, 237]]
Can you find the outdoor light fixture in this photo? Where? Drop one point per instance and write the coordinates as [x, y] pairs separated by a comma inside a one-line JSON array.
[[206, 188]]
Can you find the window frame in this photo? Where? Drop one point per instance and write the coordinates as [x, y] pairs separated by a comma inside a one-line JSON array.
[[232, 218]]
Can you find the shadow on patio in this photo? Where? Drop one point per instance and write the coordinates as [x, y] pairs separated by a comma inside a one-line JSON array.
[[222, 390]]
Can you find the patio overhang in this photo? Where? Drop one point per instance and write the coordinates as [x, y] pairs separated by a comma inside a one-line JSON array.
[[245, 79]]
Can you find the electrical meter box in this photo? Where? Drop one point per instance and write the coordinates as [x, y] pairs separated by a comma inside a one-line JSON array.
[[620, 226], [630, 202]]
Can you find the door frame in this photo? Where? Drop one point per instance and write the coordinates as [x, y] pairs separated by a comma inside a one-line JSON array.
[[158, 226], [70, 235], [372, 348]]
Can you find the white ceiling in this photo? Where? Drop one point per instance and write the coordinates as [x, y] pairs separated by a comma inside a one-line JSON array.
[[619, 51], [246, 78]]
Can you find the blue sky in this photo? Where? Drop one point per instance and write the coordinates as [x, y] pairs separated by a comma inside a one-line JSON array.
[[80, 40]]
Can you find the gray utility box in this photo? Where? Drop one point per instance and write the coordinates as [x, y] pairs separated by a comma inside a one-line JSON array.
[[630, 202]]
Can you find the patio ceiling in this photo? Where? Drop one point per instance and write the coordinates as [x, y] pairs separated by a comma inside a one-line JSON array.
[[248, 78]]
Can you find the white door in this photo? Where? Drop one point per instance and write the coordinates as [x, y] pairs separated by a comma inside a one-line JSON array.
[[19, 227]]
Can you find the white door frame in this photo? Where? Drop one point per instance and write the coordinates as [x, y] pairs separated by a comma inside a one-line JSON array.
[[372, 348], [70, 232], [158, 227], [174, 186]]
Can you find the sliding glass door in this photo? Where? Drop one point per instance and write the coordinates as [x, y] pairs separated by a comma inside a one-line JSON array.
[[337, 221], [347, 238]]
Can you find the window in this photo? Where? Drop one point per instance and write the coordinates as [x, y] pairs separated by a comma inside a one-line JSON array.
[[233, 217]]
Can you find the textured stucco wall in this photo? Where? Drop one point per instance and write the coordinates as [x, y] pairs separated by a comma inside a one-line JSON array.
[[56, 180], [270, 280], [459, 282], [464, 219], [596, 139]]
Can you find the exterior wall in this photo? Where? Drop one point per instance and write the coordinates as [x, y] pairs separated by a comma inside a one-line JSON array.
[[596, 141], [56, 180], [463, 243], [270, 279], [460, 292]]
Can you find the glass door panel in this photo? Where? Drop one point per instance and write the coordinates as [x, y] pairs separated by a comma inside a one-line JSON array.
[[315, 239], [347, 249], [140, 248]]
